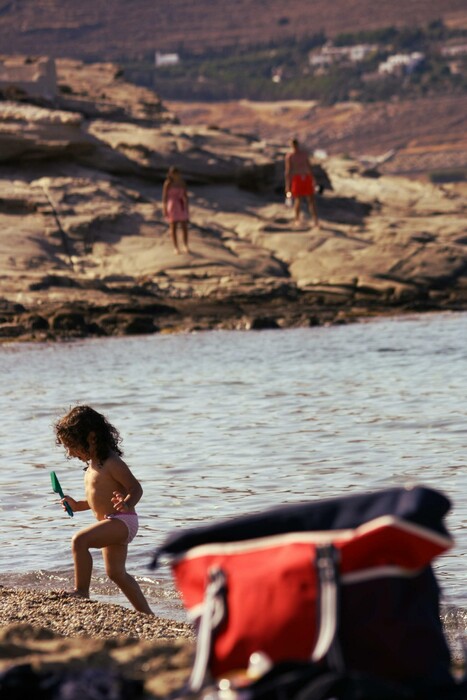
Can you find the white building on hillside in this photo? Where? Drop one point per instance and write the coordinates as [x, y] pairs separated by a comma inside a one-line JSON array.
[[401, 63], [459, 50], [329, 54], [166, 59]]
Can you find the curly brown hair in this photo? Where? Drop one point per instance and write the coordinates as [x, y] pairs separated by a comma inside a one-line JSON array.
[[74, 429]]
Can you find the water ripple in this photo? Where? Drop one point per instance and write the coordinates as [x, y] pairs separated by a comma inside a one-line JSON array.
[[215, 424]]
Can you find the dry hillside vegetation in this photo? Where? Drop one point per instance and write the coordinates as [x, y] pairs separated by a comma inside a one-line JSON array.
[[87, 29], [418, 137]]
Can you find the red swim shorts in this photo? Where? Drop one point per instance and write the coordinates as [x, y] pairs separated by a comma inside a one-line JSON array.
[[302, 185]]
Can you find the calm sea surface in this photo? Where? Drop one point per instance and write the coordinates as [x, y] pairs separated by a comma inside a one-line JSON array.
[[221, 423]]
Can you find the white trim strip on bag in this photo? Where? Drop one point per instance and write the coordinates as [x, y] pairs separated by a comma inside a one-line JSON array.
[[315, 537], [379, 572]]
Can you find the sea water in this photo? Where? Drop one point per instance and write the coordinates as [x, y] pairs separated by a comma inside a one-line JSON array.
[[220, 423]]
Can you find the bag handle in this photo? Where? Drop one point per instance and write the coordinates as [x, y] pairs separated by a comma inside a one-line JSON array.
[[214, 608], [326, 646]]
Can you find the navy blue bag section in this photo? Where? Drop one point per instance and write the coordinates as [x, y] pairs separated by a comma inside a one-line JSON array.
[[393, 629], [419, 505]]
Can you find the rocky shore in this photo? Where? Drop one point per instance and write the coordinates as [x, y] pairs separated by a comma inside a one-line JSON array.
[[52, 635], [85, 252], [48, 638]]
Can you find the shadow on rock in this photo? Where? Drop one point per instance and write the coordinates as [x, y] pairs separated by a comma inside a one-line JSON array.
[[343, 210]]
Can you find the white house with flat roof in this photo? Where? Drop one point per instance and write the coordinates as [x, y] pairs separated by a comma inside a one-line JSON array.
[[401, 62], [336, 54], [166, 59]]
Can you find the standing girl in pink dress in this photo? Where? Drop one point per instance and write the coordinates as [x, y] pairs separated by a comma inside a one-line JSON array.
[[175, 203]]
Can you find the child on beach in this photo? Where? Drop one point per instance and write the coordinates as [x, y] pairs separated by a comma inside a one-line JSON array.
[[175, 207], [112, 493]]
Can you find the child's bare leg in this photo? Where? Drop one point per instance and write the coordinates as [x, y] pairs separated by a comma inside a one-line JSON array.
[[173, 233], [83, 565], [185, 236], [99, 535], [115, 559]]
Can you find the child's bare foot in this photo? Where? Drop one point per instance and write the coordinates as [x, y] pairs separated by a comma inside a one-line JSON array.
[[176, 251], [73, 594], [186, 249], [78, 594]]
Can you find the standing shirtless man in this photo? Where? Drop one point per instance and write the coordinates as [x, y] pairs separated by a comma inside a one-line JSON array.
[[299, 181]]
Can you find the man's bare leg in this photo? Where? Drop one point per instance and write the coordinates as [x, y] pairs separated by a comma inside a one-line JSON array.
[[297, 206], [312, 209]]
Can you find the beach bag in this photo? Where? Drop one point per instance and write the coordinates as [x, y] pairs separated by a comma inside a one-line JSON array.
[[342, 585]]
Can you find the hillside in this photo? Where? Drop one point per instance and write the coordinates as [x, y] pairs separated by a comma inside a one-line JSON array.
[[95, 30], [423, 137]]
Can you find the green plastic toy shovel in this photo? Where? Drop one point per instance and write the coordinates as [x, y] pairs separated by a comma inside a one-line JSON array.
[[58, 489]]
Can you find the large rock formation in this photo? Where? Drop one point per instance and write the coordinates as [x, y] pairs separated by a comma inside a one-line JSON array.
[[84, 247]]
